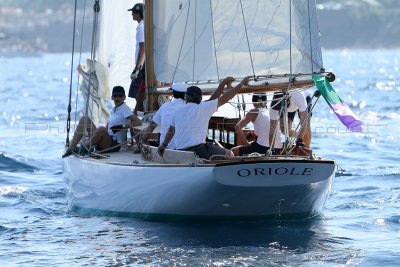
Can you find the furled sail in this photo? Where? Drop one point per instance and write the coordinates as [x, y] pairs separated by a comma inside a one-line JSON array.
[[92, 85], [195, 40]]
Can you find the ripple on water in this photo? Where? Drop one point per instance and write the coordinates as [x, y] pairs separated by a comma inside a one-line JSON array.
[[12, 191], [13, 165]]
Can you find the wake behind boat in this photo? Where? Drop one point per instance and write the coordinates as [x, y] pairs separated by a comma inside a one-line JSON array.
[[277, 43]]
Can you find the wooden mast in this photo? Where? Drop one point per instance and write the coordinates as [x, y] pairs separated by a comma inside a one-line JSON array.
[[149, 61]]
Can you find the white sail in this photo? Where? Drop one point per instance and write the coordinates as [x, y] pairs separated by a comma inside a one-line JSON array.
[[200, 40], [116, 41], [195, 40]]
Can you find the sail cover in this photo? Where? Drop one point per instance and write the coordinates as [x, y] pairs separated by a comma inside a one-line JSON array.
[[202, 40]]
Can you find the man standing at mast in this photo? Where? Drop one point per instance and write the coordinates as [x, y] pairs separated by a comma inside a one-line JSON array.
[[137, 87]]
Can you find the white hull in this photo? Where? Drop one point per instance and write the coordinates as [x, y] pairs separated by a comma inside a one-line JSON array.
[[282, 187]]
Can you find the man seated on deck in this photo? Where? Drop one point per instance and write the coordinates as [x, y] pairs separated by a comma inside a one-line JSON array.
[[190, 121], [107, 138], [295, 101], [165, 113], [259, 116]]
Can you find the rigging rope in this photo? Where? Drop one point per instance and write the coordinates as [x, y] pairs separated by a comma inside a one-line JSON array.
[[284, 110], [247, 39], [306, 119], [215, 46], [183, 40], [194, 40], [80, 57], [290, 41], [70, 80], [96, 9], [309, 31]]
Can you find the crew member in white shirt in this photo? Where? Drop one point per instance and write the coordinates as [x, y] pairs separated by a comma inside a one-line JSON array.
[[165, 114], [190, 121], [295, 101], [259, 116], [115, 132], [137, 88]]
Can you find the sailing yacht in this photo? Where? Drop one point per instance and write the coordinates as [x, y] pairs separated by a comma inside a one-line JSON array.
[[199, 43]]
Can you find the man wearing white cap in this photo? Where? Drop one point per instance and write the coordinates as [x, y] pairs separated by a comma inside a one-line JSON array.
[[165, 114], [189, 124]]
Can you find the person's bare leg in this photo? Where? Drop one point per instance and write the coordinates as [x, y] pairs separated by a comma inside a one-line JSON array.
[[139, 102], [229, 153], [307, 135], [101, 140], [78, 134], [235, 150]]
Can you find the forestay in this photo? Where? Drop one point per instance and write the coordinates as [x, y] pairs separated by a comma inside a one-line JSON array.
[[198, 40]]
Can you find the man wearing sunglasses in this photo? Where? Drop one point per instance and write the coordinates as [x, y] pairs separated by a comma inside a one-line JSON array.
[[109, 138]]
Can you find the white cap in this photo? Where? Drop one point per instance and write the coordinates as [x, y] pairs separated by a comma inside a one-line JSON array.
[[179, 87]]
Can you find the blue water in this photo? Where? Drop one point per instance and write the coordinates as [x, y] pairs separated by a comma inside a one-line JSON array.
[[360, 225]]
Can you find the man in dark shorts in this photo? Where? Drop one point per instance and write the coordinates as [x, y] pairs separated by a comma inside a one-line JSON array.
[[137, 88]]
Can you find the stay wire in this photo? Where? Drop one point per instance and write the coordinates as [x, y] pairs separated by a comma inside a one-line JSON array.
[[247, 39], [96, 9], [70, 80], [183, 40], [286, 91], [215, 45], [307, 117], [290, 42], [80, 58], [194, 39], [309, 33]]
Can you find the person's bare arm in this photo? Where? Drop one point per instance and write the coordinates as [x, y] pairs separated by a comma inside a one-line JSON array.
[[232, 92], [140, 60], [225, 82], [135, 121], [251, 116], [303, 123], [147, 131], [168, 137]]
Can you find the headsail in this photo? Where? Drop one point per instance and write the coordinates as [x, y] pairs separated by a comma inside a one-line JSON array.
[[197, 41], [116, 41]]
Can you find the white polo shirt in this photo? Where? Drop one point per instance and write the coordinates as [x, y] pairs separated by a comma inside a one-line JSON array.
[[139, 38], [119, 116], [191, 123], [163, 118]]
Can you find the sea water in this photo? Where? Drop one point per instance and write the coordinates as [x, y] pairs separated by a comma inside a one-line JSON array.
[[360, 225]]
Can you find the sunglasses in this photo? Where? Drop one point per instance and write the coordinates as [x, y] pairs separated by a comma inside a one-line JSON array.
[[118, 95]]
